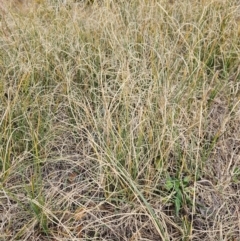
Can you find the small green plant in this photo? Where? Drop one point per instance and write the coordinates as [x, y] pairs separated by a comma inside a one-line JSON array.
[[236, 174], [178, 187]]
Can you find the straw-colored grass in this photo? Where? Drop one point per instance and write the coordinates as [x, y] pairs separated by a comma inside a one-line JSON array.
[[120, 120]]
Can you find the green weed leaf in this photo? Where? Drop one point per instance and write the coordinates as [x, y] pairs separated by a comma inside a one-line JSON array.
[[169, 183], [178, 202]]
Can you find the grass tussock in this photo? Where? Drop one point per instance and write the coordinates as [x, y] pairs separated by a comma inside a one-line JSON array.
[[120, 120]]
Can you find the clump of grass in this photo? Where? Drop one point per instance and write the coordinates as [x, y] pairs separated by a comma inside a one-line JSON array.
[[120, 121]]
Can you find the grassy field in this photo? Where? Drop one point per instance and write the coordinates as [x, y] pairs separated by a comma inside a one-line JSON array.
[[120, 120]]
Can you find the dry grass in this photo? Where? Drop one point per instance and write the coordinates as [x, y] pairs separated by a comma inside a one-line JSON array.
[[120, 120]]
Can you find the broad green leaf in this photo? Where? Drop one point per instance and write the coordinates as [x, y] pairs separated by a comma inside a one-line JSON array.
[[169, 184], [178, 202]]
